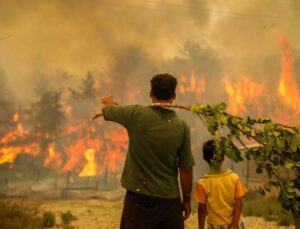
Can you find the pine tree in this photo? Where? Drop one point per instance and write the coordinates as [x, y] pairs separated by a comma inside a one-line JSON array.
[[86, 90], [48, 117], [83, 100]]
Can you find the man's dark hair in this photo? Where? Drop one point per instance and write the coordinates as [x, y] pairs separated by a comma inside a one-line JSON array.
[[209, 149], [163, 86]]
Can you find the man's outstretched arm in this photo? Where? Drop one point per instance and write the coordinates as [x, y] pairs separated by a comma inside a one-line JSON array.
[[186, 179]]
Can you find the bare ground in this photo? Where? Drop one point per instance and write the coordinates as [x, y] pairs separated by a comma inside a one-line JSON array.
[[103, 214]]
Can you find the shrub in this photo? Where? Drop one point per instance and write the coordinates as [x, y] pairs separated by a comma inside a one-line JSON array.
[[49, 219], [285, 220], [15, 214], [67, 217], [271, 218], [266, 207]]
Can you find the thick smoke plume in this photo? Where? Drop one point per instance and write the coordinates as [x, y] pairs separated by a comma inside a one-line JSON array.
[[129, 41]]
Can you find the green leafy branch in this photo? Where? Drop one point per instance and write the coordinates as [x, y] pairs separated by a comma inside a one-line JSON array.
[[276, 150]]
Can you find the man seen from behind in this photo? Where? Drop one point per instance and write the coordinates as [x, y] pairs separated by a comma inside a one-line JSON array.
[[159, 147]]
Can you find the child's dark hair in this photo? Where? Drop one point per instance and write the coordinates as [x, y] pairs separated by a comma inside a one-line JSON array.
[[209, 149]]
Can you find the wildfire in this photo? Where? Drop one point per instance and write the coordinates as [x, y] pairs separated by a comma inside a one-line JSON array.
[[91, 148], [193, 84], [242, 93], [288, 89]]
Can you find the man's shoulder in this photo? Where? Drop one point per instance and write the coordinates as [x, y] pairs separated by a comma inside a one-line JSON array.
[[181, 121], [135, 107]]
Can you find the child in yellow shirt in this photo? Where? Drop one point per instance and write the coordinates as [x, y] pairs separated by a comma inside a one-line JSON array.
[[219, 194]]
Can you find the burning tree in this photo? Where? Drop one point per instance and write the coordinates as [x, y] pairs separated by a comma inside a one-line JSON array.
[[47, 116]]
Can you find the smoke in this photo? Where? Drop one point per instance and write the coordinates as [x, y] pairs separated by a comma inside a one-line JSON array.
[[132, 40]]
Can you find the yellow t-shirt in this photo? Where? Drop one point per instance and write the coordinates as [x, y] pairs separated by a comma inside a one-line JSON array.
[[219, 191]]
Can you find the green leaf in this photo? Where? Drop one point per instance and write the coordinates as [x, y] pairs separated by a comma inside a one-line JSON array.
[[258, 170], [263, 120], [269, 126], [276, 161], [289, 165], [222, 106], [295, 143], [222, 119], [290, 190], [268, 187]]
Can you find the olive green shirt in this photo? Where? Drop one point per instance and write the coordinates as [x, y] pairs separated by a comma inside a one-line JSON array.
[[159, 143]]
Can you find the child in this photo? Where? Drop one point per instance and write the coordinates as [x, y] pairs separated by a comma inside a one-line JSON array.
[[219, 194]]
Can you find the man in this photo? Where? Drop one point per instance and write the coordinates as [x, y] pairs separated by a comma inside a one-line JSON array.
[[159, 146]]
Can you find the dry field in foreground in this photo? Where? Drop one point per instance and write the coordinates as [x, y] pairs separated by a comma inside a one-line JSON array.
[[102, 214]]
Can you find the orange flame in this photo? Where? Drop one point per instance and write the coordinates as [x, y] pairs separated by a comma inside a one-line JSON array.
[[16, 117], [242, 93], [74, 153], [54, 158], [90, 168], [288, 89], [193, 84], [9, 154]]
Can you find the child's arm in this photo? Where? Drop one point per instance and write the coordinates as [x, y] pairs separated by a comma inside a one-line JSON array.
[[237, 211], [201, 215], [200, 196]]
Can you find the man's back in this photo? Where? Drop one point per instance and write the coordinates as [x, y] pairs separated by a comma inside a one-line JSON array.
[[159, 143]]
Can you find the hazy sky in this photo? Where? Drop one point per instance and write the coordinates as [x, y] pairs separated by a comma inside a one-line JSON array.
[[73, 36]]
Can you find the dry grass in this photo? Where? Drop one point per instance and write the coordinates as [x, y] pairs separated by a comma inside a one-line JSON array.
[[94, 214], [86, 214]]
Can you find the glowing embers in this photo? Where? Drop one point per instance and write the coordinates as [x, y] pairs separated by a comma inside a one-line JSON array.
[[242, 93], [288, 89], [193, 84]]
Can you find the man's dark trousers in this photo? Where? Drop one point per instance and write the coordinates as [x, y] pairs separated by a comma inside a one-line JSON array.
[[148, 212]]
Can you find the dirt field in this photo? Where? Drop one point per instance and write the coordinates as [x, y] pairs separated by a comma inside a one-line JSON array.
[[102, 214]]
